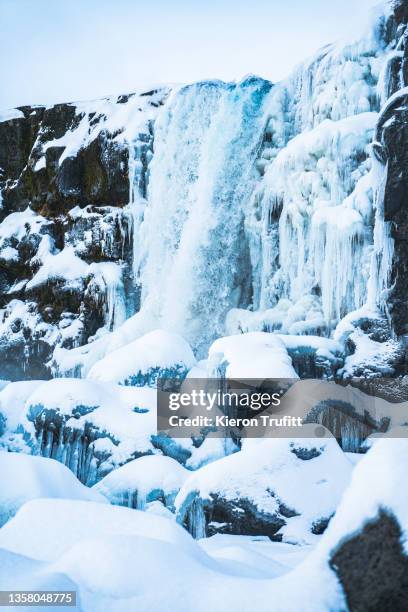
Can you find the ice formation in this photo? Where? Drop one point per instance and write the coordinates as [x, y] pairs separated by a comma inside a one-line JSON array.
[[142, 481]]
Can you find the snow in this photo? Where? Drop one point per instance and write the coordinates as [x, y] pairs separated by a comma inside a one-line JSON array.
[[100, 548], [158, 349], [142, 477], [80, 360], [253, 355], [40, 164], [401, 93], [55, 418], [11, 113], [111, 408], [17, 570], [65, 266], [9, 254], [25, 477], [24, 534]]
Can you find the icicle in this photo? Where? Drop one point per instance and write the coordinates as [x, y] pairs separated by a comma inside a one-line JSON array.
[[196, 519], [381, 261], [141, 500], [337, 248]]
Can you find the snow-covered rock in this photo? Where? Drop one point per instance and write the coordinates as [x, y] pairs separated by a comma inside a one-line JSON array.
[[89, 426], [25, 477], [144, 480], [154, 355], [365, 546], [287, 489], [255, 355]]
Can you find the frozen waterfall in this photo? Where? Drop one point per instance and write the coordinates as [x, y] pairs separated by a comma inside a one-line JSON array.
[[196, 264]]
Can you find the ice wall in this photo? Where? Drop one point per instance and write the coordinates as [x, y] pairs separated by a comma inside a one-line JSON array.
[[319, 200]]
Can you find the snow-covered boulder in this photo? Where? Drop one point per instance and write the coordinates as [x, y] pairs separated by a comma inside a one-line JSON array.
[[253, 355], [92, 427], [287, 489], [143, 361], [147, 479], [25, 477], [371, 525]]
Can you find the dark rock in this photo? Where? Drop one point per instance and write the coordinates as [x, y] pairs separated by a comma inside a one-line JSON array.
[[305, 453], [372, 567], [319, 527]]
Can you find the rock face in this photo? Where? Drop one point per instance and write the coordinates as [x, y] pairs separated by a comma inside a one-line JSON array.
[[392, 133], [72, 154]]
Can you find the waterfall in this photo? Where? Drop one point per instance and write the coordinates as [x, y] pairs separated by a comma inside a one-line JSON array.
[[197, 264]]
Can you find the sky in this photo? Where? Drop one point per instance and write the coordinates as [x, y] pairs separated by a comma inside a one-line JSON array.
[[63, 50]]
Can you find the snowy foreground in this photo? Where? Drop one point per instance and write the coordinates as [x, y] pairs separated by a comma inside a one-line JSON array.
[[66, 536]]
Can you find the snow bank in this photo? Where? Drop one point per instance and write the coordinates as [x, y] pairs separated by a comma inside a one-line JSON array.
[[17, 570], [24, 534], [76, 417], [25, 477], [106, 553]]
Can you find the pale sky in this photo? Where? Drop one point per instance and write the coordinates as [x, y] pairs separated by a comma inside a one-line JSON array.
[[62, 50]]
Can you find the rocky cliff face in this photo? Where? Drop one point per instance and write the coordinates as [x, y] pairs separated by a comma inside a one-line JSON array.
[[392, 133], [270, 208], [66, 238]]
